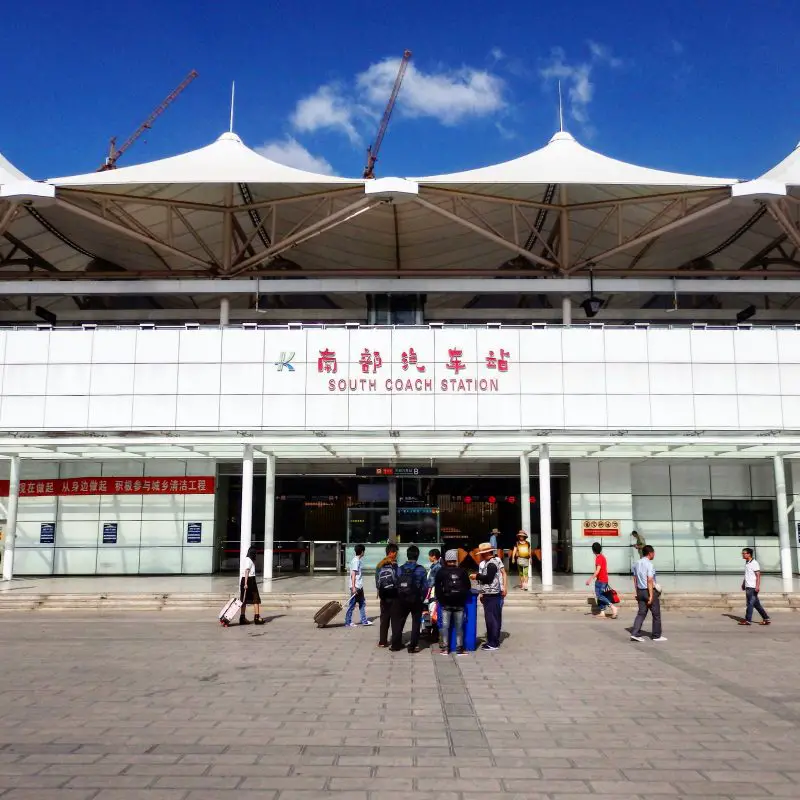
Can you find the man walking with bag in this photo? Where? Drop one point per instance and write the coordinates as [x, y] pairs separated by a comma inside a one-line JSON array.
[[647, 595], [386, 584], [752, 586]]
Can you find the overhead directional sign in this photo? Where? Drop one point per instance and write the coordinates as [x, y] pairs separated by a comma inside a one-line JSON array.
[[396, 472]]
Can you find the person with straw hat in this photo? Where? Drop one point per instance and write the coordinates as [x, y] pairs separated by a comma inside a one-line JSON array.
[[493, 585], [522, 555]]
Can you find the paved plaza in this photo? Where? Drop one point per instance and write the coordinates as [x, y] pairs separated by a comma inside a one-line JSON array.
[[169, 706]]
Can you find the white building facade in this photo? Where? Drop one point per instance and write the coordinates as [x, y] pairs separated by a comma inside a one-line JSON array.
[[116, 436]]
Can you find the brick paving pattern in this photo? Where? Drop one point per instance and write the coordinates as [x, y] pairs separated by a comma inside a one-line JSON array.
[[170, 706]]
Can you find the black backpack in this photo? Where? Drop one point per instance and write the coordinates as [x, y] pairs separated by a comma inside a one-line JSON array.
[[407, 589], [454, 589], [387, 581]]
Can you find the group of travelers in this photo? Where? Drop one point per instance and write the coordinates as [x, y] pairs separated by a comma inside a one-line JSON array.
[[444, 589]]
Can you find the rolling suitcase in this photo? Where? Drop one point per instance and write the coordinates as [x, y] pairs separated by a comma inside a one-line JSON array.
[[230, 611], [327, 613]]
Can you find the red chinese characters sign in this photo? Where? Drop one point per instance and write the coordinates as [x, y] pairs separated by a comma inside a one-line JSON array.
[[67, 487]]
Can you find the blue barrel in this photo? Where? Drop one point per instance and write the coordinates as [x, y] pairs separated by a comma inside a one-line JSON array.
[[470, 624]]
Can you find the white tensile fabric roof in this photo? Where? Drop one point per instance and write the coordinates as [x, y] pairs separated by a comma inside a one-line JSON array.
[[166, 215], [8, 172], [788, 170]]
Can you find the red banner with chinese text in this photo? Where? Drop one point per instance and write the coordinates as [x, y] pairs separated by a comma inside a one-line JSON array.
[[67, 487]]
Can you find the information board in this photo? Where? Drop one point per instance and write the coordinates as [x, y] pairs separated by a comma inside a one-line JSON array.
[[47, 533], [109, 533], [194, 532], [396, 472]]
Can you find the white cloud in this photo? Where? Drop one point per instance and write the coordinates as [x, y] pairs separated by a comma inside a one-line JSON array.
[[497, 54], [326, 108], [677, 47], [576, 78], [448, 96], [291, 153]]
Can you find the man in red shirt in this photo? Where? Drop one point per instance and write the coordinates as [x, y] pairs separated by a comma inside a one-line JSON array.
[[600, 579]]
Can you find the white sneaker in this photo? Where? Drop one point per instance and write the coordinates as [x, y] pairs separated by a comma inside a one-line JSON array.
[[368, 622], [349, 624], [637, 638], [661, 639]]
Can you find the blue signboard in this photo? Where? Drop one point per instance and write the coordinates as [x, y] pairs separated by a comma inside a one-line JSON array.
[[109, 533], [47, 533], [194, 532]]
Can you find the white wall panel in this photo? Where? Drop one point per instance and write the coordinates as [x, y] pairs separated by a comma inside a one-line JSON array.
[[157, 346], [499, 411], [200, 346], [542, 411], [371, 411], [199, 379], [112, 412], [627, 378], [22, 413], [583, 345], [584, 476], [541, 378], [650, 477], [162, 532], [716, 411], [712, 346], [692, 478], [788, 346], [25, 379], [115, 560], [114, 346], [670, 378], [284, 411], [162, 507], [628, 411], [714, 379], [155, 379], [120, 507], [669, 346], [29, 561], [197, 411], [243, 346], [241, 412], [64, 413], [157, 412], [71, 346], [242, 379], [652, 508], [197, 560], [456, 411], [68, 379], [758, 379], [790, 411], [671, 411], [756, 346], [585, 411], [111, 379], [687, 508], [760, 411], [544, 346], [762, 479], [730, 480], [75, 561], [584, 378], [615, 477], [160, 560], [27, 347], [626, 345], [78, 508], [412, 412]]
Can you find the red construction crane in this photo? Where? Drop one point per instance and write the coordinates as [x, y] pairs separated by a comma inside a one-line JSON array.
[[115, 152], [374, 148]]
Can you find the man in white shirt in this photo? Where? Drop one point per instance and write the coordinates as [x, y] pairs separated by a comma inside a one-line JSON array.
[[647, 595], [752, 585], [356, 590]]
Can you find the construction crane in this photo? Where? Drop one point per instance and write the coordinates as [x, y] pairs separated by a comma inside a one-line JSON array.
[[374, 148], [115, 152]]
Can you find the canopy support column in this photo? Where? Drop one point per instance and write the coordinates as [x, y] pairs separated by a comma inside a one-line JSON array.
[[393, 510], [783, 523], [269, 522], [224, 311], [246, 515], [544, 518], [11, 520], [525, 506], [566, 310], [563, 231]]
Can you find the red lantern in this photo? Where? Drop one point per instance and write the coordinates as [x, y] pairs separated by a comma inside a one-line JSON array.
[[492, 498], [467, 499], [511, 499], [533, 500]]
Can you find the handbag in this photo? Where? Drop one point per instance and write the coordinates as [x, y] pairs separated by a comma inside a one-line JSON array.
[[612, 595]]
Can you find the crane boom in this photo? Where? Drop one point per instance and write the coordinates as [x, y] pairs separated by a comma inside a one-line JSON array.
[[374, 148], [115, 152]]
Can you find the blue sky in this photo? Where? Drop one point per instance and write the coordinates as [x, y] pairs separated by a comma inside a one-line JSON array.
[[704, 87]]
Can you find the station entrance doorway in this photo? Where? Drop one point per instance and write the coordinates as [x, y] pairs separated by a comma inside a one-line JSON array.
[[319, 518]]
